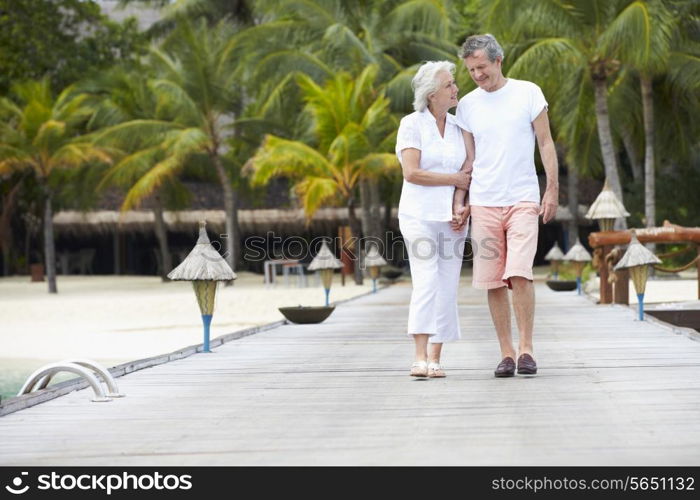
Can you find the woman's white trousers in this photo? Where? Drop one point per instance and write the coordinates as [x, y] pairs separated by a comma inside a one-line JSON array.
[[435, 253]]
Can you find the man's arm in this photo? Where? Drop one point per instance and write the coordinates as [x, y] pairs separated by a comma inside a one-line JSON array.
[[460, 210], [410, 163], [550, 200]]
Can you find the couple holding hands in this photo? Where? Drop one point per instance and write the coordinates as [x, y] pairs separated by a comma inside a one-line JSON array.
[[478, 165]]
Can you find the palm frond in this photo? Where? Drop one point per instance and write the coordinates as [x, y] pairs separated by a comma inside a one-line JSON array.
[[641, 35], [315, 191], [279, 156], [76, 154], [151, 181], [50, 135], [132, 167], [132, 134]]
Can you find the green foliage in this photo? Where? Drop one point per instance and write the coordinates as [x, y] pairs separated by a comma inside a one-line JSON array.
[[63, 40], [350, 127]]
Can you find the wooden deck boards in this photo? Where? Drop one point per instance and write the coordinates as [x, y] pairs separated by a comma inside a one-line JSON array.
[[611, 391]]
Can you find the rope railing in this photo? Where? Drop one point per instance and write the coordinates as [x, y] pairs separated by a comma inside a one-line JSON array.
[[659, 267]]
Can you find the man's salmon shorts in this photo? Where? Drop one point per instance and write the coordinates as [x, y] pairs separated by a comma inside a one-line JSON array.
[[504, 243]]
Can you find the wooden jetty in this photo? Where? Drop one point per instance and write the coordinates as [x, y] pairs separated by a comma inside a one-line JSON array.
[[611, 391]]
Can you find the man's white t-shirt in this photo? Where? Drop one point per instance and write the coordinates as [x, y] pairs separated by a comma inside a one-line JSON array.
[[501, 123]]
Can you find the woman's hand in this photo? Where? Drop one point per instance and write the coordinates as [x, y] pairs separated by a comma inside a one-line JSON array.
[[459, 217], [462, 179]]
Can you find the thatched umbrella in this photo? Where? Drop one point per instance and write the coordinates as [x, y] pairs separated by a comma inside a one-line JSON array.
[[606, 208], [637, 259], [204, 266], [325, 262], [374, 261], [555, 256], [579, 256]]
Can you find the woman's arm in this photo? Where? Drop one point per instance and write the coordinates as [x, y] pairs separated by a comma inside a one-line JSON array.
[[410, 163]]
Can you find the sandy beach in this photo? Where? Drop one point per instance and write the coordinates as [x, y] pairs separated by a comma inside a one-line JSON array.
[[114, 319]]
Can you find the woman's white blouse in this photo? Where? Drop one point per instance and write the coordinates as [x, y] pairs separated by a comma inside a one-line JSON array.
[[437, 154]]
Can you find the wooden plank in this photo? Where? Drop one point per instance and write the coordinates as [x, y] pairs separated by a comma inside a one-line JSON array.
[[611, 390]]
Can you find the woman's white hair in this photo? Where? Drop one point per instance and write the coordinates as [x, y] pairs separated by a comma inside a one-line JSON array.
[[426, 82]]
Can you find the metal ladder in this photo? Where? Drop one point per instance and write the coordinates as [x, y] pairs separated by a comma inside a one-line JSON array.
[[85, 368]]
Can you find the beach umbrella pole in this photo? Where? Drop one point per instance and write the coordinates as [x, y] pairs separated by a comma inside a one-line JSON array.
[[578, 284], [640, 305], [328, 291]]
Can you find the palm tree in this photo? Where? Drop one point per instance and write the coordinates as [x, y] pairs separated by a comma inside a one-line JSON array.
[[199, 92], [660, 42], [40, 133], [320, 38], [576, 35], [352, 128], [130, 97]]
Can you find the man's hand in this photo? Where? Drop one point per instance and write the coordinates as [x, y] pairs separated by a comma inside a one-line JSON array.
[[459, 217], [550, 202]]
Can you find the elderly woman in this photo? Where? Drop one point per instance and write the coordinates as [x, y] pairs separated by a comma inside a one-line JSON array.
[[433, 157]]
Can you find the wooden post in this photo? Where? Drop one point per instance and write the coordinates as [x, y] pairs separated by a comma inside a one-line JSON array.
[[606, 296], [621, 290]]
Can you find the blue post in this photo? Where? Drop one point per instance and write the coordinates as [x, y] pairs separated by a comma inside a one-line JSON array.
[[578, 285], [555, 276], [374, 286], [328, 291], [206, 319], [640, 305]]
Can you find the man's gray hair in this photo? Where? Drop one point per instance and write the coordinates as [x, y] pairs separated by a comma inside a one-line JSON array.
[[426, 82], [487, 43]]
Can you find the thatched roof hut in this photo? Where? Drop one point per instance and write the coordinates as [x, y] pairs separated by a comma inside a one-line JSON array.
[[254, 221]]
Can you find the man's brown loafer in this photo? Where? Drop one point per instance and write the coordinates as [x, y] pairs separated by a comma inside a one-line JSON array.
[[505, 368], [526, 365]]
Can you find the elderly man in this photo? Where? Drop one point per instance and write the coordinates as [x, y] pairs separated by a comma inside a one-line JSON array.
[[501, 119]]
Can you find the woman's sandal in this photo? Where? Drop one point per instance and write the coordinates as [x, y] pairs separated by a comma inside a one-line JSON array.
[[436, 371], [419, 369]]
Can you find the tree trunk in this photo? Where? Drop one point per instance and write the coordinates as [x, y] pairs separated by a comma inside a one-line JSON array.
[[606, 142], [162, 237], [6, 236], [355, 227], [649, 173], [236, 243], [231, 235], [649, 170], [377, 223], [635, 163], [365, 201], [387, 214], [572, 183], [6, 257], [49, 247]]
